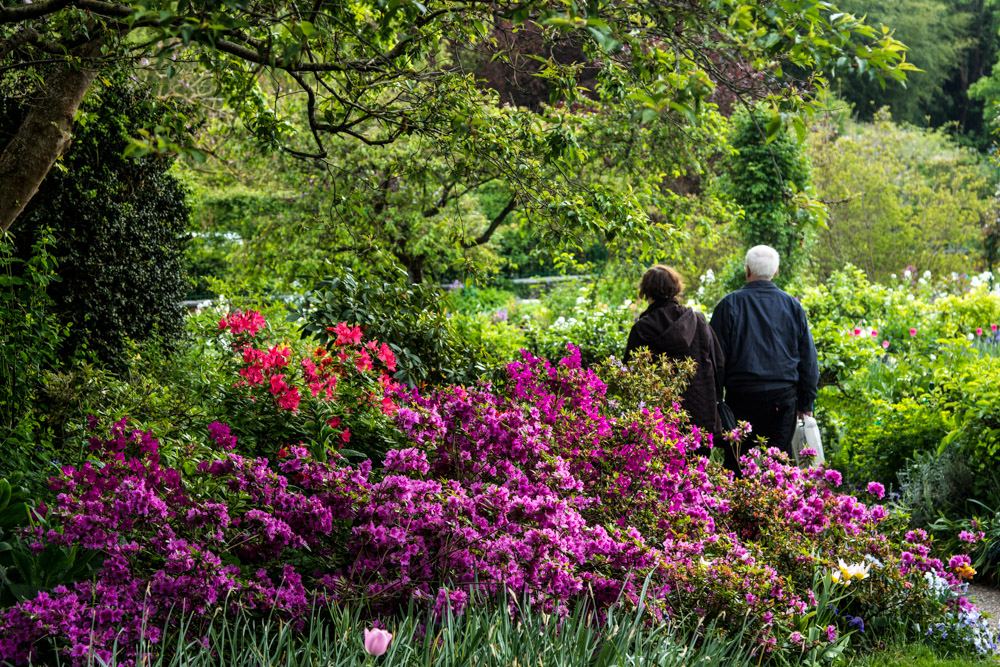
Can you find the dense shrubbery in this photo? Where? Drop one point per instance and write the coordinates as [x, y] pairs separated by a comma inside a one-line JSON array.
[[541, 484], [912, 370]]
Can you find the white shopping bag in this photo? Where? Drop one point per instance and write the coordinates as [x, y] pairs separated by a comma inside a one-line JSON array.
[[807, 437]]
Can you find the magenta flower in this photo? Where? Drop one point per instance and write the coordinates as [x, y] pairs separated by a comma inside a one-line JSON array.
[[377, 641], [876, 490], [979, 331], [874, 333], [993, 328], [831, 633], [857, 331], [885, 345], [971, 538], [913, 331]]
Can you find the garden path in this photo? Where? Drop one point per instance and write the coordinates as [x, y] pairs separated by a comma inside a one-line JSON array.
[[987, 599]]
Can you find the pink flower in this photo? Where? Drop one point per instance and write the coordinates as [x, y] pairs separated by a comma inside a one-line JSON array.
[[377, 641], [874, 333], [796, 638], [885, 345], [831, 633], [876, 490], [913, 331], [993, 328], [857, 331], [979, 331], [345, 435], [363, 362], [290, 400]]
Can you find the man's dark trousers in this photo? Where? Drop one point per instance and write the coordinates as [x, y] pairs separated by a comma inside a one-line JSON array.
[[772, 414]]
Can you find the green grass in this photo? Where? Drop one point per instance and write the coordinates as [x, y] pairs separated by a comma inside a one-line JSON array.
[[916, 655]]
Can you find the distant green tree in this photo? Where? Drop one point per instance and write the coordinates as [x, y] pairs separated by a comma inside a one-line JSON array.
[[898, 196], [937, 33], [953, 42]]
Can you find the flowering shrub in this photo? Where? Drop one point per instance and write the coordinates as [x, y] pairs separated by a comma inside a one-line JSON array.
[[538, 486], [337, 397]]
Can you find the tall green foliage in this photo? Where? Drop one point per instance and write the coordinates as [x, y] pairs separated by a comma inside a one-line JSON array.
[[768, 176], [30, 336]]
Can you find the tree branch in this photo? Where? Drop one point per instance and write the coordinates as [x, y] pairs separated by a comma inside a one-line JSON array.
[[494, 225], [33, 11]]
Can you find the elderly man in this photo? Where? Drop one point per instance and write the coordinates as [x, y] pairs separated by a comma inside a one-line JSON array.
[[771, 372]]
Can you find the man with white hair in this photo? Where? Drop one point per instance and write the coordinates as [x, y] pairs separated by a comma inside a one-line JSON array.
[[771, 372]]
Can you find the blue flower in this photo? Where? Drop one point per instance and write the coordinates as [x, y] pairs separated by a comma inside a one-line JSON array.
[[856, 622]]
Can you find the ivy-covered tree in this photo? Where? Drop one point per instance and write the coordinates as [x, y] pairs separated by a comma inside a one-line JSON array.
[[377, 71], [768, 177], [121, 224]]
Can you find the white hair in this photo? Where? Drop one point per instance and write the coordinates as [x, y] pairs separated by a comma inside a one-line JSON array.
[[762, 261]]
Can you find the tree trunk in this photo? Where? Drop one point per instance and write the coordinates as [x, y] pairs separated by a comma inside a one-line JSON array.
[[44, 133]]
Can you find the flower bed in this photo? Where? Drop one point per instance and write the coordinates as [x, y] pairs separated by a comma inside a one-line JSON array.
[[541, 486]]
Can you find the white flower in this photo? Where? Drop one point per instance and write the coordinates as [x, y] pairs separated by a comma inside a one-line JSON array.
[[927, 275], [847, 572]]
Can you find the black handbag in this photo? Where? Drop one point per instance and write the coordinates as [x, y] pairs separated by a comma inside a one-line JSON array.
[[726, 417]]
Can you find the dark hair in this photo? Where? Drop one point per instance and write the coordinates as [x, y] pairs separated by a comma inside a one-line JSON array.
[[661, 282]]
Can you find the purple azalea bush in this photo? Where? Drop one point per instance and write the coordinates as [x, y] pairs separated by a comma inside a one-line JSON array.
[[540, 486]]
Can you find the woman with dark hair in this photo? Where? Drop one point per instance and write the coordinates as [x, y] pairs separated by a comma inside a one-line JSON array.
[[668, 328]]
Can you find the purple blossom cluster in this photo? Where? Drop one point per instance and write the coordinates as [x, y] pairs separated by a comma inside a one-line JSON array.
[[539, 486]]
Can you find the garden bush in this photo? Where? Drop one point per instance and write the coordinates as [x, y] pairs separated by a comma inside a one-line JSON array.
[[410, 316], [911, 370], [538, 485]]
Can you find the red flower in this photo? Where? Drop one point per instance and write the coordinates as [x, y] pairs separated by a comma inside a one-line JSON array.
[[333, 422], [290, 400], [346, 334], [387, 357], [346, 435], [363, 362]]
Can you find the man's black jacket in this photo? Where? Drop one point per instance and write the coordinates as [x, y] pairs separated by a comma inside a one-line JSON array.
[[766, 341]]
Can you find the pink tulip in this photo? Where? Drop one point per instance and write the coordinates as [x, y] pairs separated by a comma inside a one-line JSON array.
[[377, 641], [913, 331], [979, 331], [857, 332], [874, 333], [993, 328], [885, 345]]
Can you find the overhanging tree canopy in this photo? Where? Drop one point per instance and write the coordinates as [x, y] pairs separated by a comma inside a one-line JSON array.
[[376, 70]]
